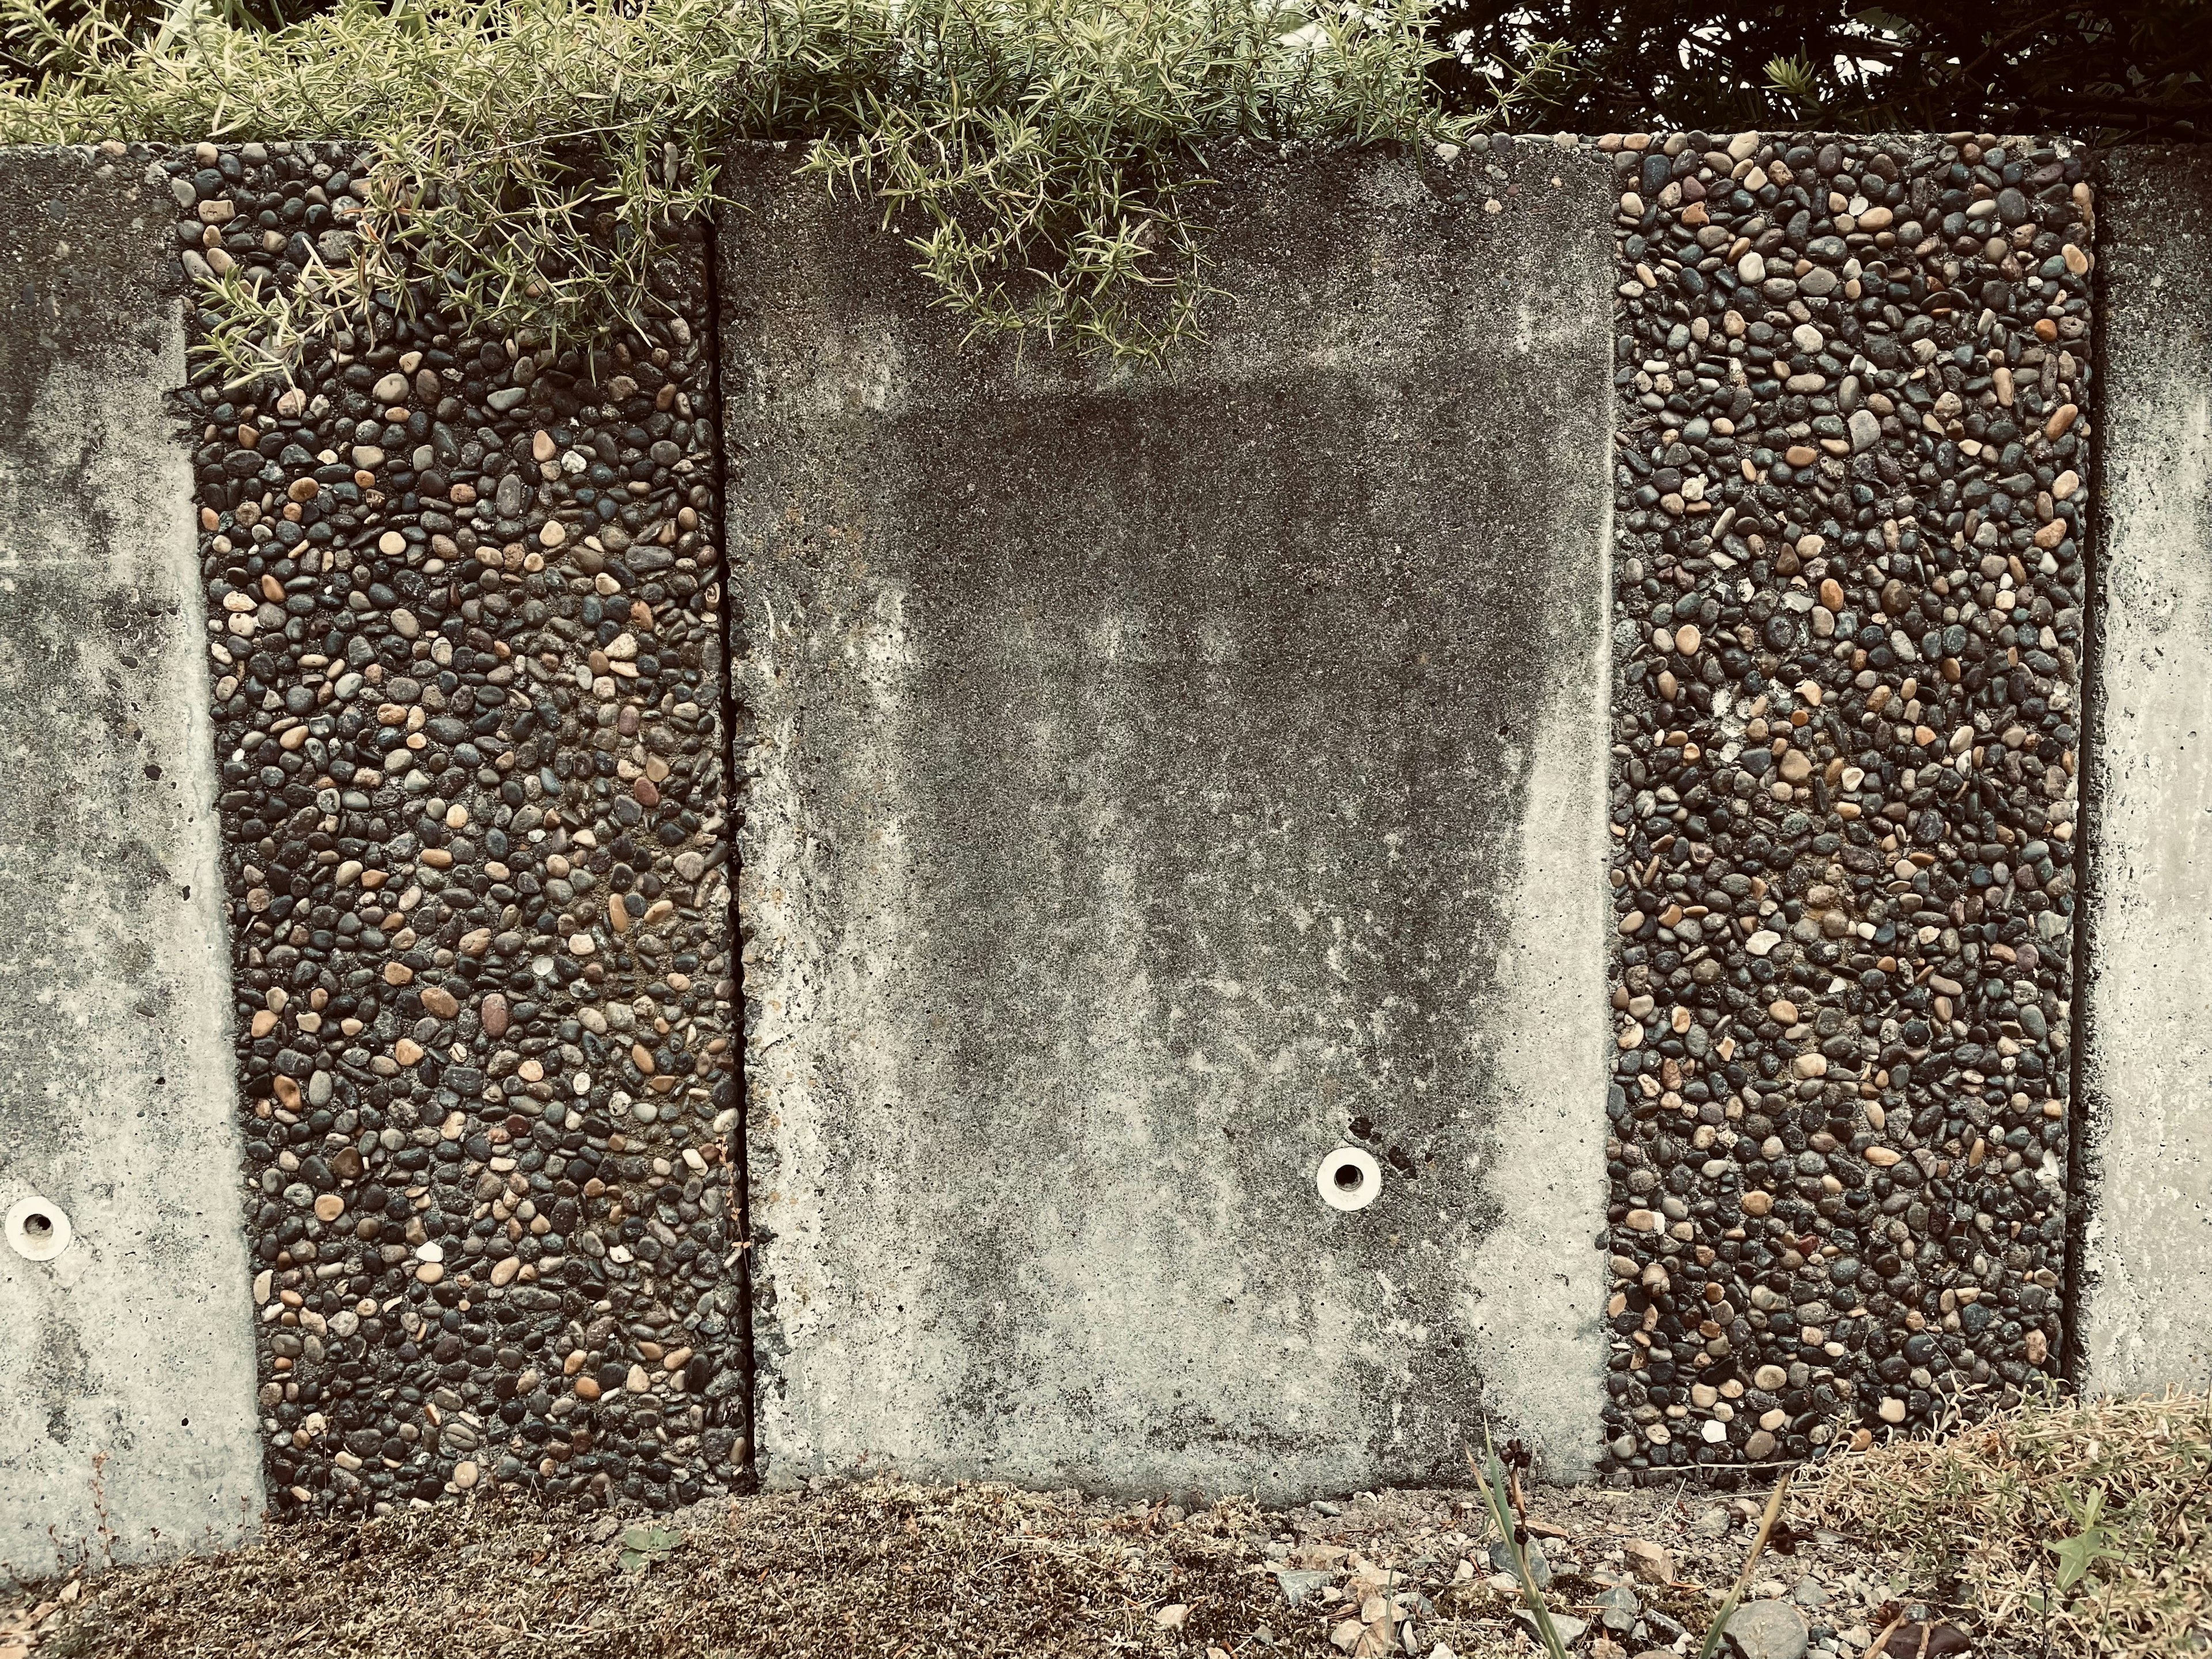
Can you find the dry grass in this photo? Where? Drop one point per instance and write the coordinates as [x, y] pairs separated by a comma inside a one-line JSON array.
[[1988, 1506], [884, 1568], [1969, 1524]]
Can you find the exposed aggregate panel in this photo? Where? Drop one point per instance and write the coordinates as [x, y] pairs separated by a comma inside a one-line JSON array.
[[462, 609], [1852, 474]]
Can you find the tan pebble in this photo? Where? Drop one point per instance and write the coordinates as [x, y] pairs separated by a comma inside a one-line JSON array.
[[618, 914], [1687, 639], [638, 1382], [1756, 1202], [391, 544], [1832, 594], [464, 1475], [437, 999], [542, 446], [1769, 1377], [1796, 766], [493, 1015], [407, 1051], [397, 973], [1783, 1011], [553, 534], [329, 1208], [430, 1272], [504, 1270], [1648, 1561]]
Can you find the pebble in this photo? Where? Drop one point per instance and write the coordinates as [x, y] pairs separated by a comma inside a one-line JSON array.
[[1767, 1629], [1852, 453], [474, 1199]]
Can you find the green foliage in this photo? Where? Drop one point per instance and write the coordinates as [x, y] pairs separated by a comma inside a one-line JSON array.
[[2094, 68], [643, 1545], [536, 158], [2079, 1553], [1794, 78]]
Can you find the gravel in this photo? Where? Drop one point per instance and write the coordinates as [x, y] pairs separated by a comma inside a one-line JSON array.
[[1849, 590], [464, 631]]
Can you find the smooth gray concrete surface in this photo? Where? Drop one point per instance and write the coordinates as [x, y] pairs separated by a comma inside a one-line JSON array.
[[1157, 781], [126, 1377], [2145, 1295]]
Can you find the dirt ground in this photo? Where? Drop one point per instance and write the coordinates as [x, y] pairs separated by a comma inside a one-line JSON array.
[[1957, 1542], [890, 1568]]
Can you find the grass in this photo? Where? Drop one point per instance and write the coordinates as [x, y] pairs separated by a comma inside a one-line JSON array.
[[1981, 1523], [2084, 1523], [537, 157]]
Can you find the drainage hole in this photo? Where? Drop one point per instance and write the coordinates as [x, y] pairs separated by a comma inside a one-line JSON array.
[[1348, 1177], [39, 1227]]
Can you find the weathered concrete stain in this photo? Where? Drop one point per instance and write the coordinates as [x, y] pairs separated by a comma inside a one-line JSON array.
[[126, 1392], [2144, 1302], [1157, 781]]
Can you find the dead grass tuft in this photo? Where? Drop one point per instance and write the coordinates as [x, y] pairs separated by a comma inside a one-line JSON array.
[[882, 1568], [2007, 1508]]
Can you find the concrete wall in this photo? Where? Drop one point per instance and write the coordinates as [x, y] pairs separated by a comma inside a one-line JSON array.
[[1159, 782], [126, 1379], [2144, 1299]]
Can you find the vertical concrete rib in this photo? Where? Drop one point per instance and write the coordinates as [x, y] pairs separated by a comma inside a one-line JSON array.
[[1156, 782], [2144, 1280], [126, 1380]]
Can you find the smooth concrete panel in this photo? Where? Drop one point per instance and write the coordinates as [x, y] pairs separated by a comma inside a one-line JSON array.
[[126, 1380], [1155, 780], [2145, 1295]]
